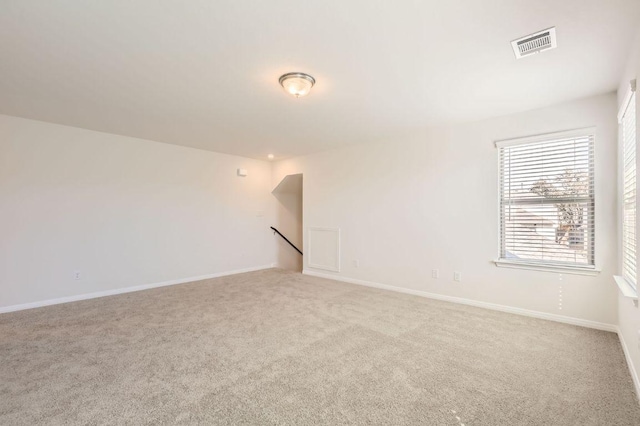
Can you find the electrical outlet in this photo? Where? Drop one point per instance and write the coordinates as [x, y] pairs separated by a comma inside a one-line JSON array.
[[77, 275], [356, 263], [457, 276], [435, 273]]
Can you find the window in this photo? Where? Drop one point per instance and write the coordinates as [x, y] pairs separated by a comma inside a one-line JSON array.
[[628, 125], [547, 201]]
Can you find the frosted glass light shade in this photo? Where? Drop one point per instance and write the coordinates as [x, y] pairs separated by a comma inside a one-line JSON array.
[[297, 83]]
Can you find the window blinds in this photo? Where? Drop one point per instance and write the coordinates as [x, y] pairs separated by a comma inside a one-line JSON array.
[[547, 201], [629, 193]]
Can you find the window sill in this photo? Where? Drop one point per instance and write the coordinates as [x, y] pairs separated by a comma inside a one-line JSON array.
[[626, 290], [576, 270]]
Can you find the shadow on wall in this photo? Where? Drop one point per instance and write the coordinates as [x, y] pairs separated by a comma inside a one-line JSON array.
[[289, 221]]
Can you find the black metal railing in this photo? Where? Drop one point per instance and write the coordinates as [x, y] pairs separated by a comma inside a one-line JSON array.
[[286, 239]]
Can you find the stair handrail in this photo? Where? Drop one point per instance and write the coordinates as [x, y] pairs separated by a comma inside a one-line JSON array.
[[286, 239]]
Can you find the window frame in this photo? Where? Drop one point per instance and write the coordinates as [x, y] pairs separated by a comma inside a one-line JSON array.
[[549, 266], [627, 287]]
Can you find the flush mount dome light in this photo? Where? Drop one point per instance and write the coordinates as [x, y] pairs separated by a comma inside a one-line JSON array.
[[297, 83]]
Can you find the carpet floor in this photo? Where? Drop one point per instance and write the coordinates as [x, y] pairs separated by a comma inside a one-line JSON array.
[[277, 347]]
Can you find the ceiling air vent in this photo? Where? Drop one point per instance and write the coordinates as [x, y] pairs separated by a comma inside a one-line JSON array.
[[534, 43]]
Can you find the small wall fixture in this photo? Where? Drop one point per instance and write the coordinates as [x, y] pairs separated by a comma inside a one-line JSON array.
[[297, 83]]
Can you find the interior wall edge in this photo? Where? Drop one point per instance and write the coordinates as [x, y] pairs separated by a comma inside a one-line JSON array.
[[471, 302], [123, 290], [632, 369]]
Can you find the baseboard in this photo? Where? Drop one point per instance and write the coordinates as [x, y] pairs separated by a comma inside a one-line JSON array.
[[632, 368], [114, 292], [503, 308]]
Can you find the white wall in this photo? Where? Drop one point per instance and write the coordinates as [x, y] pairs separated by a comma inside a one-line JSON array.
[[628, 314], [124, 211], [429, 200]]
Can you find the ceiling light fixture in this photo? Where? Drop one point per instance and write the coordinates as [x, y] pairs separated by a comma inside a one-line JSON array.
[[270, 156], [297, 83]]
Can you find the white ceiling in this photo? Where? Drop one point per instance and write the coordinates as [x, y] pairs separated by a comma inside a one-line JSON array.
[[205, 73]]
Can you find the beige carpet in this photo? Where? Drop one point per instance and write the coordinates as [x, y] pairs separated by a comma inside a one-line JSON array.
[[276, 347]]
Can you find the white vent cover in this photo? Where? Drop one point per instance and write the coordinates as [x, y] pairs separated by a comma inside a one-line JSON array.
[[534, 43]]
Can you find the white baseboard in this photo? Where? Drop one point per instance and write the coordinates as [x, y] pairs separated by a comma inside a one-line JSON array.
[[471, 302], [632, 368], [97, 294]]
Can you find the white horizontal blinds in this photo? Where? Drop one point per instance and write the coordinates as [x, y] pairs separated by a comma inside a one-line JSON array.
[[547, 201], [629, 193]]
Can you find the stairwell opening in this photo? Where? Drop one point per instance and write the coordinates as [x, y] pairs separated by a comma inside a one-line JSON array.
[[289, 194]]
